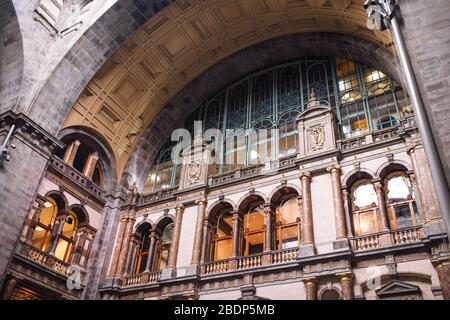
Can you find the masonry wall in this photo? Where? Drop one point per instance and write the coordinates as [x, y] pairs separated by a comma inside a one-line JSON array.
[[427, 34]]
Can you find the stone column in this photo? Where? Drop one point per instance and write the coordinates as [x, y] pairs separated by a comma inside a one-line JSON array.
[[347, 286], [236, 234], [310, 288], [307, 246], [425, 187], [89, 168], [131, 219], [381, 205], [71, 151], [8, 287], [172, 261], [118, 245], [268, 214], [196, 254], [347, 211], [339, 213], [385, 237], [57, 229], [127, 220], [206, 241], [443, 271], [151, 251], [32, 220]]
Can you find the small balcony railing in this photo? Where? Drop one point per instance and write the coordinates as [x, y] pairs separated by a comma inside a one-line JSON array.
[[142, 278], [284, 256], [48, 261], [398, 237]]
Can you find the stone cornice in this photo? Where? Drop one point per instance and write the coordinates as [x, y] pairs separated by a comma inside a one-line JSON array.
[[30, 133]]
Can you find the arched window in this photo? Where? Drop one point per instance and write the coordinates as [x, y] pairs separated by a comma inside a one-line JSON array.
[[330, 294], [400, 200], [65, 240], [143, 253], [365, 208], [162, 256], [253, 229], [287, 221], [43, 230], [222, 236]]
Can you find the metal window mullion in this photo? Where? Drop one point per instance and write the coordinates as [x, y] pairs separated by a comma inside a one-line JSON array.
[[363, 91], [336, 96]]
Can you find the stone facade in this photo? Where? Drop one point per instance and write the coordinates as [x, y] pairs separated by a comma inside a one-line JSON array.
[[49, 80]]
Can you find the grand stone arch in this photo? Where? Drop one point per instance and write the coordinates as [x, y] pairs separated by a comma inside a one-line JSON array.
[[238, 65]]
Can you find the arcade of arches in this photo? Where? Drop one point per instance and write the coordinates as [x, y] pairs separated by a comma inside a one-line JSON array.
[[309, 167]]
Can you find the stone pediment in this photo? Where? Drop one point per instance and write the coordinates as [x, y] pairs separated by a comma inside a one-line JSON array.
[[397, 288]]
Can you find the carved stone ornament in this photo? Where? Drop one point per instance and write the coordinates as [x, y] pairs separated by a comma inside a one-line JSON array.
[[316, 137], [193, 174]]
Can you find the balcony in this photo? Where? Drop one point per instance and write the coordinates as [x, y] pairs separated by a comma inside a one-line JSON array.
[[48, 261], [74, 175], [142, 279], [397, 237]]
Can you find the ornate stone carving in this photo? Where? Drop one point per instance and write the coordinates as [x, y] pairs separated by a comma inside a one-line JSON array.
[[316, 137], [193, 172]]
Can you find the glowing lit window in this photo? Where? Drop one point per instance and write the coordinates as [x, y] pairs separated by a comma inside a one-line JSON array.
[[365, 195]]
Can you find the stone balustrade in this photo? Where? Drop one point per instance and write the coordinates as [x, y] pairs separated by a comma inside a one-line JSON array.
[[249, 262], [73, 174], [366, 242], [408, 235], [284, 256], [215, 267], [142, 278], [149, 198], [42, 258]]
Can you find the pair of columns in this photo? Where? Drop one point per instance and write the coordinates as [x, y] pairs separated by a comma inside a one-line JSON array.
[[346, 282], [307, 247], [92, 160]]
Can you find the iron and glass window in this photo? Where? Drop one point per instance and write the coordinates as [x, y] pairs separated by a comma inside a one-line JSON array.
[[253, 232], [364, 99], [365, 208], [222, 236], [287, 225]]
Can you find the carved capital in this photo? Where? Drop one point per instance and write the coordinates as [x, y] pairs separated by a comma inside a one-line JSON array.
[[201, 202], [305, 175], [334, 168]]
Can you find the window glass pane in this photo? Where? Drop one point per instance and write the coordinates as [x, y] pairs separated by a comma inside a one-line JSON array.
[[40, 238], [288, 212], [225, 225], [404, 218], [224, 249], [289, 237], [399, 188], [48, 213], [254, 220], [61, 249], [367, 223], [255, 243], [365, 195], [69, 226]]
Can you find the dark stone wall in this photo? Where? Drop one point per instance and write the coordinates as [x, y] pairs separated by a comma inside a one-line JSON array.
[[11, 56], [19, 179], [427, 35]]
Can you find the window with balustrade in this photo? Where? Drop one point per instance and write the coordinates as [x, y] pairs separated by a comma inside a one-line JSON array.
[[43, 229], [364, 99], [221, 235], [143, 253], [365, 208], [400, 201], [287, 225], [253, 231], [46, 227], [163, 248]]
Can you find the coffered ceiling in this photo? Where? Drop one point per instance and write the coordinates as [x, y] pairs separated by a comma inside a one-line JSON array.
[[184, 40]]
